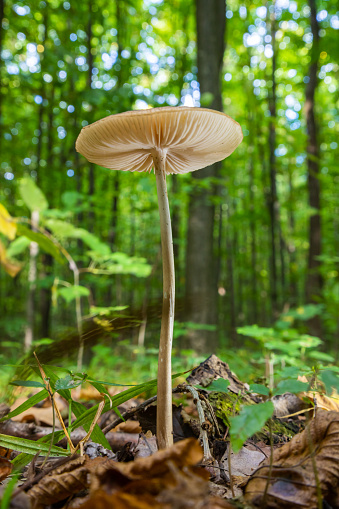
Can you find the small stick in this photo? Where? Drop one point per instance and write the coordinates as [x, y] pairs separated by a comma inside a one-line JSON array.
[[203, 432]]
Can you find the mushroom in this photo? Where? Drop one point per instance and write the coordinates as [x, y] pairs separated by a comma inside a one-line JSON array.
[[170, 140]]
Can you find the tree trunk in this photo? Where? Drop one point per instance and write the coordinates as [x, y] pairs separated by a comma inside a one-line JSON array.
[[201, 287], [32, 276], [313, 278], [273, 199]]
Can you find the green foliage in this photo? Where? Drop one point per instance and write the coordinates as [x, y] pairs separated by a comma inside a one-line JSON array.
[[32, 195], [45, 243], [250, 420], [70, 293]]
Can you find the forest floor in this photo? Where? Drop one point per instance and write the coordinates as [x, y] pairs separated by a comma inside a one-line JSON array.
[[227, 452]]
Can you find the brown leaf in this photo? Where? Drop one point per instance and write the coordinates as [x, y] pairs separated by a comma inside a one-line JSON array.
[[128, 427], [5, 468], [292, 482], [60, 483], [102, 500]]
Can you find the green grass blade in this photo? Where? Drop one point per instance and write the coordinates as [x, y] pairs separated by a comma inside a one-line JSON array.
[[22, 459], [97, 435], [29, 446], [33, 400]]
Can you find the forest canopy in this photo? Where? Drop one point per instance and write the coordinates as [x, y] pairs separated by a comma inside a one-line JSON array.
[[256, 237]]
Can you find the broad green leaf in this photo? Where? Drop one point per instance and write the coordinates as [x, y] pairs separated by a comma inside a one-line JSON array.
[[220, 385], [331, 380], [250, 420], [294, 386], [73, 292], [27, 383], [18, 246], [61, 229], [45, 243], [7, 226], [32, 195], [260, 389], [321, 356], [33, 400], [68, 382], [29, 446], [93, 242]]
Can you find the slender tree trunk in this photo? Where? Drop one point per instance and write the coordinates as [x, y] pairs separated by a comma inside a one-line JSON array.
[[254, 289], [46, 296], [32, 276], [293, 274], [230, 293], [2, 9], [273, 198], [313, 279], [201, 288], [91, 175]]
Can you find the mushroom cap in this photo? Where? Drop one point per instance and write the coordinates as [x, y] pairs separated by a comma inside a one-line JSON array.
[[191, 137]]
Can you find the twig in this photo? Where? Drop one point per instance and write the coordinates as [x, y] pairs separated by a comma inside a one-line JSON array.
[[203, 432]]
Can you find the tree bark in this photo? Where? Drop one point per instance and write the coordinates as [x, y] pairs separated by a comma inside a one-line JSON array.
[[313, 279], [201, 285]]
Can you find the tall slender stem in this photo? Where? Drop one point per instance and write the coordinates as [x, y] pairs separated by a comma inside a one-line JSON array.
[[164, 400]]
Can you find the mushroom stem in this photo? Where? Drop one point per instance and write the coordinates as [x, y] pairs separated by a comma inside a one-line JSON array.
[[164, 399]]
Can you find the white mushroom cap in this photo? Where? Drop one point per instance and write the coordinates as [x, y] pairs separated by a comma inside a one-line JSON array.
[[192, 138]]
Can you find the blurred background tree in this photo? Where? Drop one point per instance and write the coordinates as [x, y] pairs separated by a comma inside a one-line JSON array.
[[253, 237]]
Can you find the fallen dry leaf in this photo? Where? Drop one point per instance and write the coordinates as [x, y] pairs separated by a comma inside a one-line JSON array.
[[5, 468], [292, 482], [102, 500], [61, 482], [128, 427]]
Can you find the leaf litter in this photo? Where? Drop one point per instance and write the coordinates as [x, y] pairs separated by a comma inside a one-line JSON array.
[[302, 472]]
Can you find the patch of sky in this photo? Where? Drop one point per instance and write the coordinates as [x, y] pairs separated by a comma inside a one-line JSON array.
[[70, 108], [322, 15], [21, 10], [62, 75], [67, 6], [267, 38], [125, 53], [70, 173], [292, 73], [170, 60], [281, 150], [21, 36], [268, 51], [12, 69], [97, 84], [251, 40], [229, 14], [140, 104], [47, 78], [261, 12], [228, 76], [282, 4], [242, 11], [291, 114], [73, 37], [295, 125], [9, 175], [27, 161], [80, 60], [61, 132], [38, 99], [335, 22]]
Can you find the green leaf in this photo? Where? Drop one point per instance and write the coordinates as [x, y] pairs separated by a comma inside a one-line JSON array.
[[27, 383], [17, 246], [97, 434], [70, 293], [250, 420], [32, 195], [22, 459], [45, 243], [321, 356], [260, 389], [29, 446], [294, 386], [68, 382], [219, 385], [33, 400], [61, 229], [93, 242], [330, 380]]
